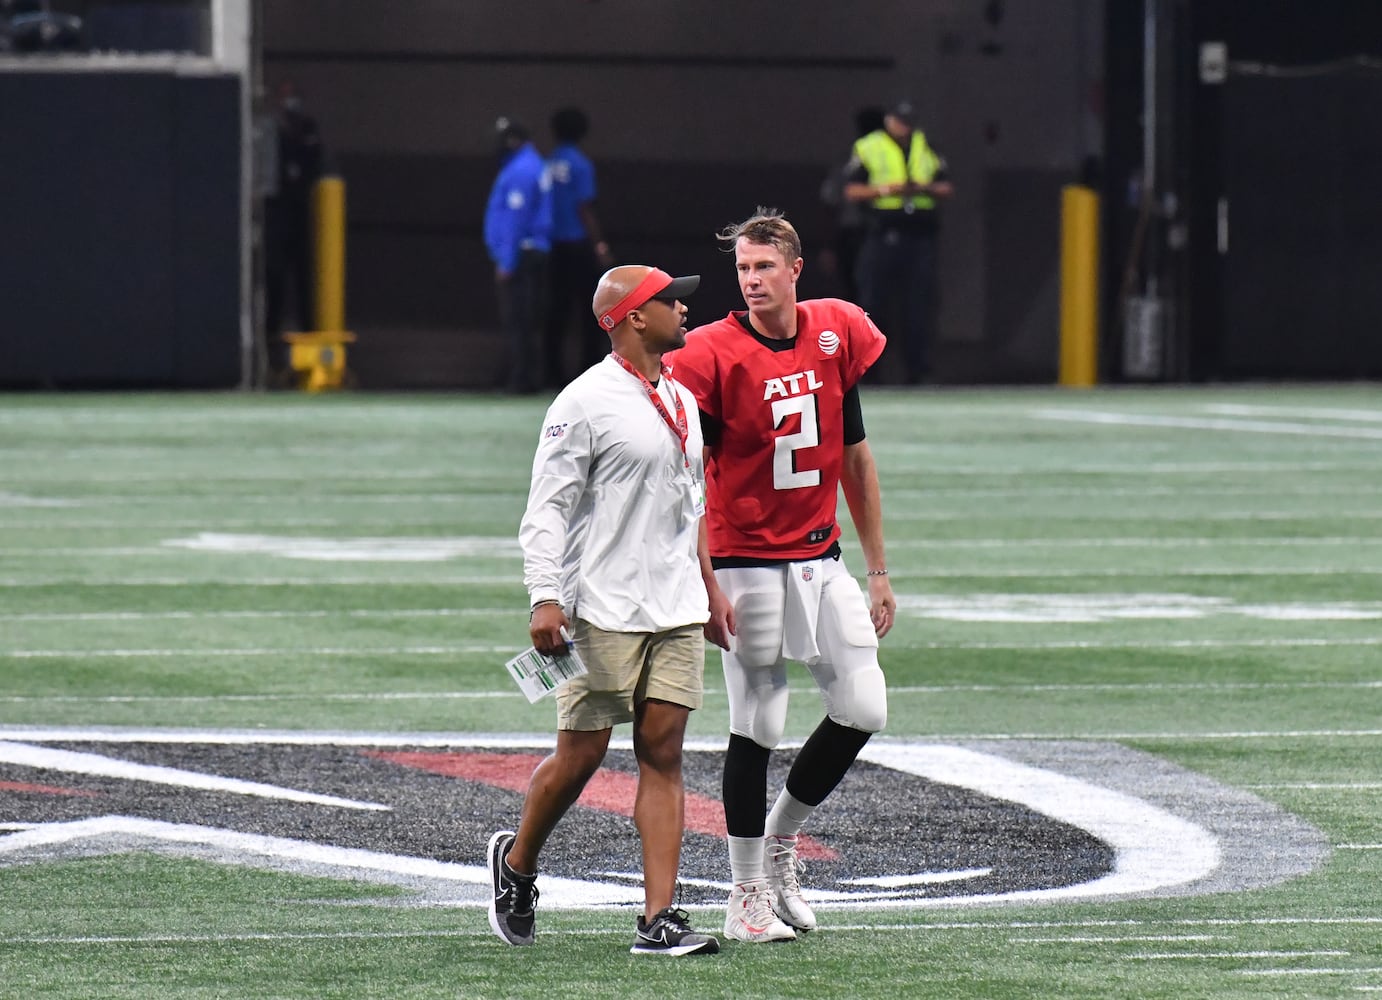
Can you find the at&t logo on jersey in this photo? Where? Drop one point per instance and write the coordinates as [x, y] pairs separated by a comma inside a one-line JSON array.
[[829, 342], [791, 385]]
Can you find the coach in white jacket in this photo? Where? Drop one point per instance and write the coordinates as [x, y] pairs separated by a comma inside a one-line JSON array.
[[610, 558]]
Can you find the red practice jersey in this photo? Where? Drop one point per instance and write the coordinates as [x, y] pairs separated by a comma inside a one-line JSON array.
[[773, 479]]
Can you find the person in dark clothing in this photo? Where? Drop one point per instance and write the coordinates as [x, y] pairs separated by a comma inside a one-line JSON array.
[[288, 251], [579, 251], [851, 217], [900, 178]]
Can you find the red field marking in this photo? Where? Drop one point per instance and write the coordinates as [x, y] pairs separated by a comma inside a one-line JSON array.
[[608, 791], [24, 786]]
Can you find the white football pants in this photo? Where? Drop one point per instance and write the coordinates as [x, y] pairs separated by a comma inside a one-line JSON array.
[[813, 612]]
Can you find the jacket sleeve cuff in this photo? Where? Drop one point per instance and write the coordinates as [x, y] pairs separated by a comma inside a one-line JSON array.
[[543, 594]]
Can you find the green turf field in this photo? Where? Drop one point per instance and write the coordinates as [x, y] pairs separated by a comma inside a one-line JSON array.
[[1195, 574]]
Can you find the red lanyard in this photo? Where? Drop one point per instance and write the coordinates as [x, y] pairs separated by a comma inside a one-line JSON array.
[[679, 426]]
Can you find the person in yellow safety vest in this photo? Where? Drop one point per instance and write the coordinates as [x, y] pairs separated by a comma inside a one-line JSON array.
[[900, 178]]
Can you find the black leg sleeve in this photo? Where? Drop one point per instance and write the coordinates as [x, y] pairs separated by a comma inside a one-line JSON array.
[[823, 762], [745, 787]]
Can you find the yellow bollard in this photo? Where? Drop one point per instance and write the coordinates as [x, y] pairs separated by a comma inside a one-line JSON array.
[[328, 216], [319, 356], [1079, 287]]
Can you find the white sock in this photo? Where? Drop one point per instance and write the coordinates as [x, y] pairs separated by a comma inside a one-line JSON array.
[[788, 815], [746, 859]]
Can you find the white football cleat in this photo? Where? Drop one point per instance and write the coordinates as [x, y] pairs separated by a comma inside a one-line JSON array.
[[751, 917], [784, 882]]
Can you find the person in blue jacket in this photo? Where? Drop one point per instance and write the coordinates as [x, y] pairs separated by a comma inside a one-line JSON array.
[[518, 231]]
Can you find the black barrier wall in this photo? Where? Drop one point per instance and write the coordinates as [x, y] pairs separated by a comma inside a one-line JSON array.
[[119, 230], [1303, 253]]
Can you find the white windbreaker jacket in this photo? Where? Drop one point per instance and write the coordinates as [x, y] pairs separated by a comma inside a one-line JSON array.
[[612, 518]]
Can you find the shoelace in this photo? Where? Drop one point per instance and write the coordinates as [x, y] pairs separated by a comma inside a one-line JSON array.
[[758, 906], [522, 896], [679, 919], [785, 864]]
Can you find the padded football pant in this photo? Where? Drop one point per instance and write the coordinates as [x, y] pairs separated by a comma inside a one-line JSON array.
[[842, 656], [845, 664]]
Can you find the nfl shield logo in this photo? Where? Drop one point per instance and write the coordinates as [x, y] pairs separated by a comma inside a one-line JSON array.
[[807, 572]]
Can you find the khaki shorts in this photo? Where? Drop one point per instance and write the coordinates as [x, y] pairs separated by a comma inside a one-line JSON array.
[[626, 668]]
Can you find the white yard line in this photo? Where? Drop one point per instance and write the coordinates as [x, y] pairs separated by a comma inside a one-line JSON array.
[[137, 616], [196, 653], [1086, 514], [1114, 419], [297, 497], [1174, 955], [364, 696], [86, 502], [265, 522], [1154, 644], [328, 579], [711, 692], [896, 512], [1308, 412], [1116, 939], [250, 475], [268, 936], [1226, 687], [1113, 542], [454, 649], [284, 737], [1309, 972], [886, 927], [1107, 573], [47, 473], [1275, 488], [1017, 689], [1316, 786]]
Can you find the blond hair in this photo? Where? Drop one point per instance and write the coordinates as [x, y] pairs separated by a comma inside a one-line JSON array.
[[766, 227]]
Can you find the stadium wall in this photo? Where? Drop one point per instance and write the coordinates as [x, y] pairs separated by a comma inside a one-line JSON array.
[[120, 239], [699, 113]]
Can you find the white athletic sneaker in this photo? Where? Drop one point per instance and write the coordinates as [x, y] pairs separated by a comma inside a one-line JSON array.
[[751, 917], [784, 881]]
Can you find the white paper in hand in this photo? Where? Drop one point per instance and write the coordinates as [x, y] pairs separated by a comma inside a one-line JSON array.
[[538, 676]]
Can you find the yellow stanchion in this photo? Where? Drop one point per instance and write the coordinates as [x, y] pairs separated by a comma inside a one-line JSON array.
[[1079, 287], [328, 219], [319, 356]]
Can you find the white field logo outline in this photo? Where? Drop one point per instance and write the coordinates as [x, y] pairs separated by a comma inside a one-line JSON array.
[[1156, 852]]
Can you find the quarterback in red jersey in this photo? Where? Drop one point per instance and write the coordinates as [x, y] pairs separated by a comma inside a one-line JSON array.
[[777, 386], [776, 475]]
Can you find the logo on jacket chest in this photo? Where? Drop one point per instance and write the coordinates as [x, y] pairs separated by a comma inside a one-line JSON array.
[[791, 385]]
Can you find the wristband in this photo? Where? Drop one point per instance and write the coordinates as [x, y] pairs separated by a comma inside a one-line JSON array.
[[539, 604], [876, 572]]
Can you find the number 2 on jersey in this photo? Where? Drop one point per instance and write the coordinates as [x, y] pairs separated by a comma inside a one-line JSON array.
[[785, 474]]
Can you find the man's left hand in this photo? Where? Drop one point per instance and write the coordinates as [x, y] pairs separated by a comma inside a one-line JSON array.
[[882, 605]]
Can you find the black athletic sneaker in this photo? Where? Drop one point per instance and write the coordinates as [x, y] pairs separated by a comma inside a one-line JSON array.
[[515, 895], [670, 934]]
